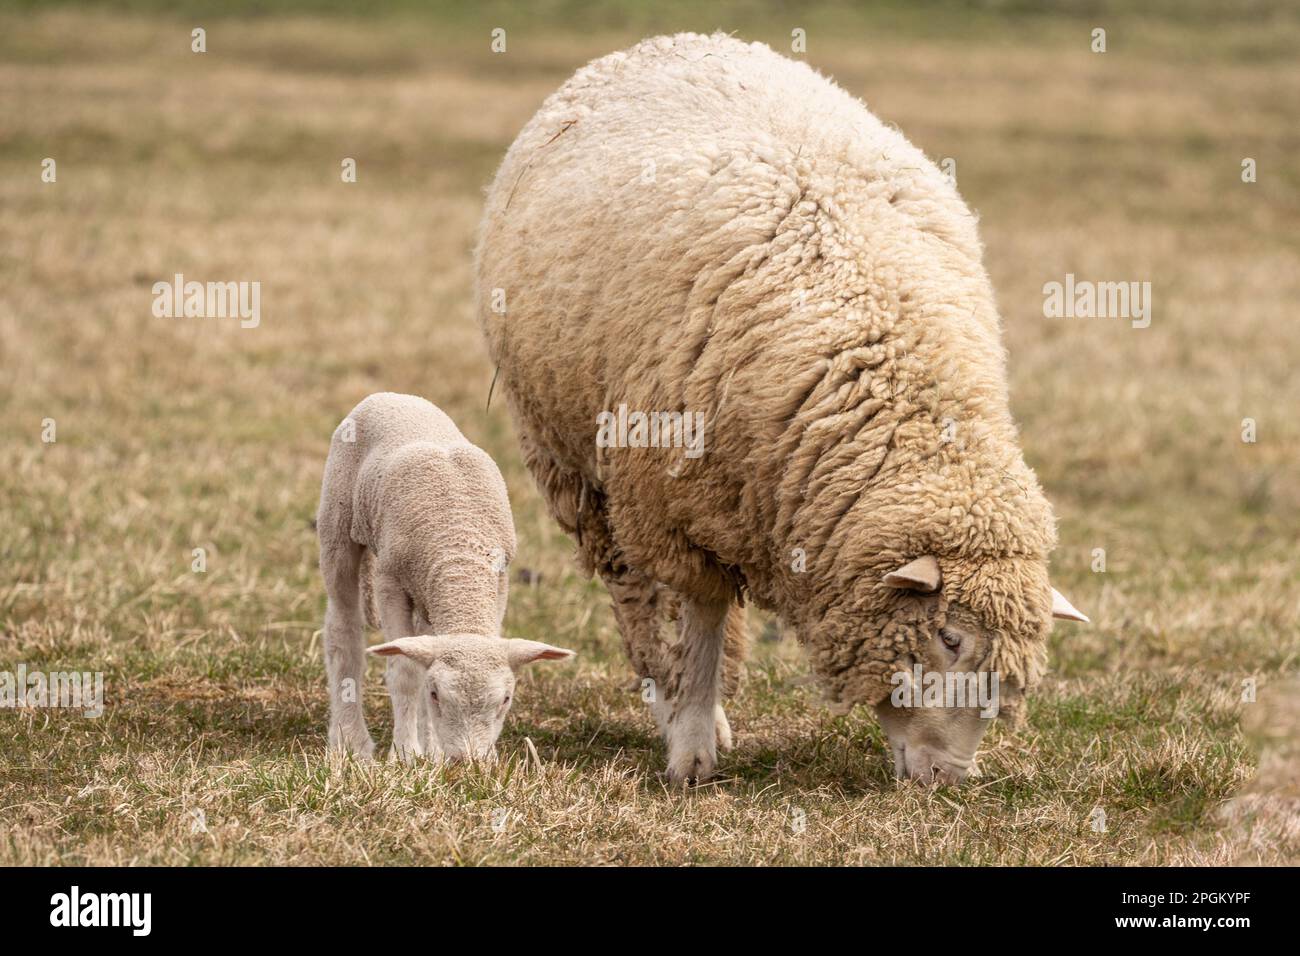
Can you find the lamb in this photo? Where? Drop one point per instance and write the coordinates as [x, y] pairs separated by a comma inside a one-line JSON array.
[[698, 225], [416, 536]]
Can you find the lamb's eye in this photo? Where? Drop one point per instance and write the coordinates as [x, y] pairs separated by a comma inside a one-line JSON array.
[[951, 639], [434, 695]]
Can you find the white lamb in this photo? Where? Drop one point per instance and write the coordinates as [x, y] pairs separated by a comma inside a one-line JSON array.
[[416, 537]]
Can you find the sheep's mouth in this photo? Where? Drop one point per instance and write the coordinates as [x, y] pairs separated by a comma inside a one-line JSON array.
[[931, 768]]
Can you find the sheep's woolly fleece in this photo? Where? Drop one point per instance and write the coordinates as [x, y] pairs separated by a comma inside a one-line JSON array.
[[699, 224], [427, 505]]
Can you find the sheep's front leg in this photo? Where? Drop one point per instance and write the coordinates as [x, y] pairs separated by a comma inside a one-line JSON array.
[[405, 678], [696, 671], [734, 650], [345, 645]]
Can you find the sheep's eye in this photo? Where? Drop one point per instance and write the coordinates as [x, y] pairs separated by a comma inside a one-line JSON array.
[[951, 639], [434, 695]]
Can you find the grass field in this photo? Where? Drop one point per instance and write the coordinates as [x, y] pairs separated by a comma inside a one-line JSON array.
[[177, 434]]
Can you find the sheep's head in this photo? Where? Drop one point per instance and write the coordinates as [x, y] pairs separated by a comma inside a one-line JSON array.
[[468, 686], [975, 641]]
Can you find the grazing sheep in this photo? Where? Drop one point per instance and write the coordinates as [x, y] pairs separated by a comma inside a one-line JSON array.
[[698, 226], [416, 537]]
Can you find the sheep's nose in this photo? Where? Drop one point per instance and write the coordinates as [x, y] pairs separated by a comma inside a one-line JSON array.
[[937, 774], [933, 767]]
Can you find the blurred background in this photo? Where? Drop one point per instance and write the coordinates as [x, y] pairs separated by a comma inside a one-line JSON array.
[[1178, 537]]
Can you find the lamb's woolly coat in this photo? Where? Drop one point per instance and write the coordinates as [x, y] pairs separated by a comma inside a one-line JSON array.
[[699, 224], [429, 509]]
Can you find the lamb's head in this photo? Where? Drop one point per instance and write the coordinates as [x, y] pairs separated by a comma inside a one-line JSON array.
[[468, 686], [974, 635]]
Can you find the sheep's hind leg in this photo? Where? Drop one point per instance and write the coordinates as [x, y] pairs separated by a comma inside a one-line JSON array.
[[345, 644], [735, 649], [696, 672], [637, 607]]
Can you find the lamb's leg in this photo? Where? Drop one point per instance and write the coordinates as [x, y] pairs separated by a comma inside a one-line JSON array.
[[405, 678], [345, 645], [423, 712], [692, 692]]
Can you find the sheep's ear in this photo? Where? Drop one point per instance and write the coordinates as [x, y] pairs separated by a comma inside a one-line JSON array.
[[520, 652], [422, 648], [919, 575], [1063, 610]]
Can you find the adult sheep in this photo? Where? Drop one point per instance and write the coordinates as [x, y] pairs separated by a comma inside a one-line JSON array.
[[699, 226]]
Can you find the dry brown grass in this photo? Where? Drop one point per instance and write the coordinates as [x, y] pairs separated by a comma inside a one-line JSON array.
[[176, 434]]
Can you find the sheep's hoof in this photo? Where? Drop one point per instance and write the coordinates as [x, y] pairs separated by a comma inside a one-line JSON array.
[[691, 771], [688, 766], [693, 745]]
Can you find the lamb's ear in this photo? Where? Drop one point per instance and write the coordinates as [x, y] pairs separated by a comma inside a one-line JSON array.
[[1065, 611], [422, 648], [919, 575], [520, 652]]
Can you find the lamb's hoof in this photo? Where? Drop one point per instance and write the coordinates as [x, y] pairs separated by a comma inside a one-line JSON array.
[[722, 728], [404, 755], [362, 751]]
